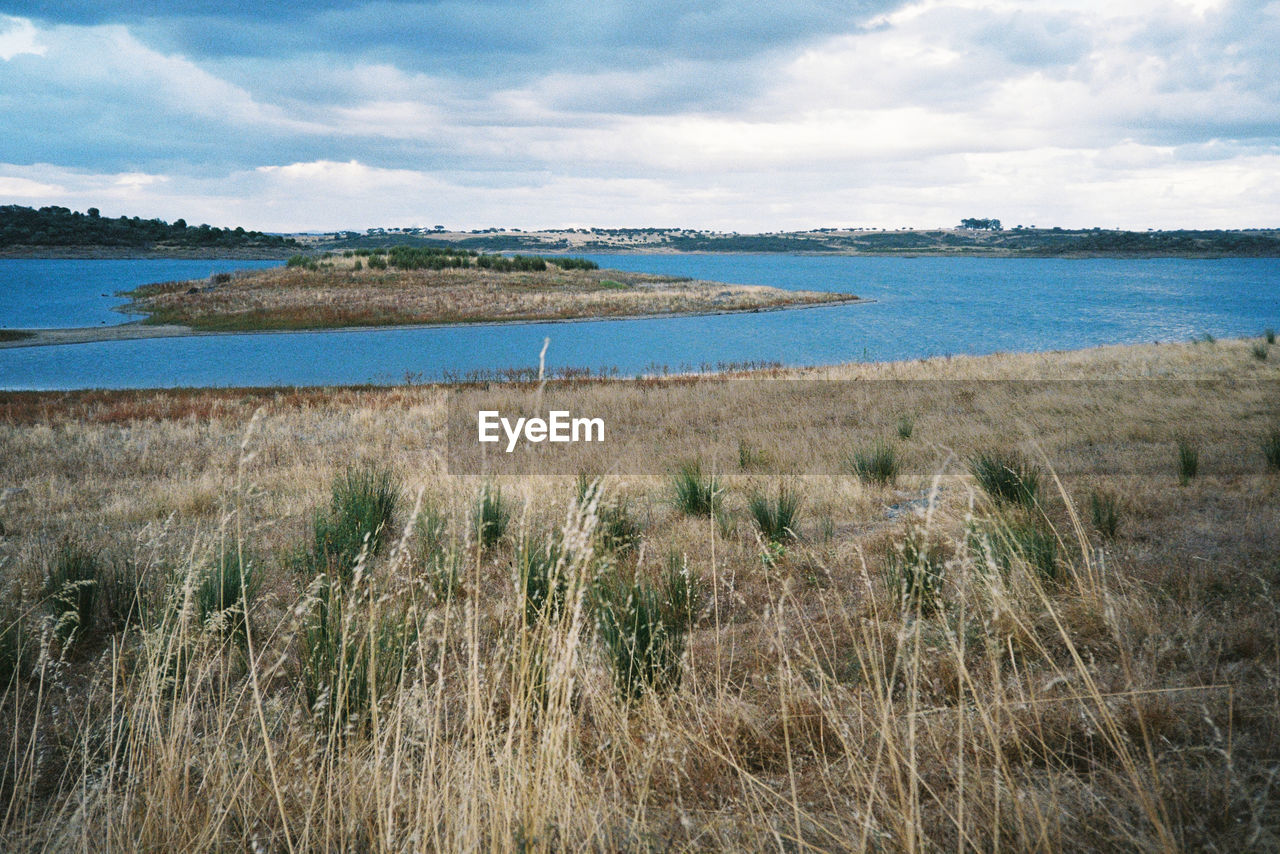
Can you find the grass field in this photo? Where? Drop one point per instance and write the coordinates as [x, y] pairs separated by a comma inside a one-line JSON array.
[[274, 620], [340, 294]]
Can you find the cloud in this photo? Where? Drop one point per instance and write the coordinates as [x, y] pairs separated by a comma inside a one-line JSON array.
[[551, 112]]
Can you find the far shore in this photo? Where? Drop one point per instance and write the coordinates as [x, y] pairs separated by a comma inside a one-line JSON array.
[[136, 330]]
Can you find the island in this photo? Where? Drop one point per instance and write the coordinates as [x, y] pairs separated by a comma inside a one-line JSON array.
[[404, 286]]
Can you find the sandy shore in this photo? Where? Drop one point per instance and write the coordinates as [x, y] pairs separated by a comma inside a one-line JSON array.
[[136, 330]]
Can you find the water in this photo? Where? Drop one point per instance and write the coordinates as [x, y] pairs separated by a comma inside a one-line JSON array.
[[924, 307], [40, 293]]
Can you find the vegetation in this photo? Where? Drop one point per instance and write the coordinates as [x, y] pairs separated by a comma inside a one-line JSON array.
[[974, 236], [57, 226], [695, 494], [417, 285], [644, 641], [776, 517], [1271, 449], [877, 463], [70, 590], [1188, 462], [953, 673], [357, 523], [1006, 477], [1104, 511], [915, 572], [492, 516]]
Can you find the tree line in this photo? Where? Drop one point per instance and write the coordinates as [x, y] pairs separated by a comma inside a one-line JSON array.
[[59, 226]]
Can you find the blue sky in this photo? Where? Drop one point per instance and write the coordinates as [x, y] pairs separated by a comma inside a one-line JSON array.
[[730, 115]]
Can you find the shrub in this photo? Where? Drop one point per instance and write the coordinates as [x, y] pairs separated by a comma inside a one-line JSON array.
[[876, 464], [17, 650], [300, 260], [123, 598], [644, 648], [1271, 449], [575, 264], [377, 262], [1006, 477], [360, 515], [438, 560], [749, 458], [1104, 509], [1269, 336], [776, 518], [914, 573], [350, 658], [1188, 462], [906, 426], [1003, 543], [682, 593], [539, 567], [1038, 547], [491, 516], [695, 495], [616, 530], [70, 591], [1260, 352], [226, 591]]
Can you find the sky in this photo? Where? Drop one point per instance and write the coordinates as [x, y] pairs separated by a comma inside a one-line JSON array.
[[733, 116]]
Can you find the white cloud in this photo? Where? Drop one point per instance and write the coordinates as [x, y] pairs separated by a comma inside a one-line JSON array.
[[18, 36], [1068, 112]]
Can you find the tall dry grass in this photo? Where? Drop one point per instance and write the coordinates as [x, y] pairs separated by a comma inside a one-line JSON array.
[[1128, 702]]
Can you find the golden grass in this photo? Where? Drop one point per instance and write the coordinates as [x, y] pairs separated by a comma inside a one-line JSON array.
[[1131, 704], [339, 295]]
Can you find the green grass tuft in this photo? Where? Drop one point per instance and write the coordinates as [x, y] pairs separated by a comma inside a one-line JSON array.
[[695, 494], [1271, 449], [539, 570], [491, 516], [1104, 510], [226, 592], [1188, 462], [1006, 477], [877, 463], [70, 591], [915, 574], [360, 516], [643, 645], [777, 517]]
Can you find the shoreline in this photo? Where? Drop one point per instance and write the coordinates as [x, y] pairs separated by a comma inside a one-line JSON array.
[[139, 330], [126, 254]]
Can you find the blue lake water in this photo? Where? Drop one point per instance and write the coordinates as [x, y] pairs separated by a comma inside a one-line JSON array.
[[923, 307], [39, 293]]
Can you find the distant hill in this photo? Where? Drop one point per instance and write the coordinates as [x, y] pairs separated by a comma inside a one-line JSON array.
[[985, 241], [23, 228]]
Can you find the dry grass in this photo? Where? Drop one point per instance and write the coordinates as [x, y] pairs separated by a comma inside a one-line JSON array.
[[339, 295], [1134, 703]]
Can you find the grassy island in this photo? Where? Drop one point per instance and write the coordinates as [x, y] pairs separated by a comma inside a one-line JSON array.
[[405, 286], [278, 619]]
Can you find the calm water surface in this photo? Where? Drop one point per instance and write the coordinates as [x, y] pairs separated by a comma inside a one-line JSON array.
[[924, 307], [39, 293]]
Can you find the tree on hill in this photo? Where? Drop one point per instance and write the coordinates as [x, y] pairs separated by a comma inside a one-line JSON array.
[[59, 226]]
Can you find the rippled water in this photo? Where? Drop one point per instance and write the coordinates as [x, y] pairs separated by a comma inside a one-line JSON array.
[[923, 307]]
